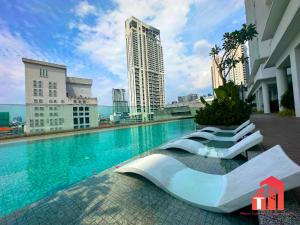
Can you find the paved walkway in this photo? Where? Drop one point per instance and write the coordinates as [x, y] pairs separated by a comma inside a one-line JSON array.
[[282, 131], [111, 198]]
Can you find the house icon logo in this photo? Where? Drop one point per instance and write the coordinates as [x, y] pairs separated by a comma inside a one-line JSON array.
[[275, 195]]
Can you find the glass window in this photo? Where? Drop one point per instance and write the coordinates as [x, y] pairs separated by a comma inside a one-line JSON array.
[[81, 120], [86, 108], [87, 120], [80, 108], [75, 108], [40, 100], [75, 120]]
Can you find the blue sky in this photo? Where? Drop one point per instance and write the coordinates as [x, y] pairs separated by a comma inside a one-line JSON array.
[[88, 37]]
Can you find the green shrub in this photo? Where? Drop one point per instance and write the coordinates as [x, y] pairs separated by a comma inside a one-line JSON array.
[[287, 99], [227, 109], [286, 113]]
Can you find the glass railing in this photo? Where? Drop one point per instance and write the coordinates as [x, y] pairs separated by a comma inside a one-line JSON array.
[[18, 119]]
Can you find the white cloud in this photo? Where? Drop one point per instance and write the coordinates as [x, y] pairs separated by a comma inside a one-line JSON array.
[[13, 48], [84, 8], [186, 71]]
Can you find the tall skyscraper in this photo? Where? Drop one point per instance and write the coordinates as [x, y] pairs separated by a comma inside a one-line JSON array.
[[120, 105], [238, 74], [145, 69], [215, 76]]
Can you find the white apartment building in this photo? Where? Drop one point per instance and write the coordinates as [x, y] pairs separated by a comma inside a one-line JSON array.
[[145, 69], [238, 74], [275, 53], [57, 102], [215, 75]]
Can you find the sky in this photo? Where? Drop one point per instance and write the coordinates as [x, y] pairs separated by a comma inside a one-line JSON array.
[[89, 38]]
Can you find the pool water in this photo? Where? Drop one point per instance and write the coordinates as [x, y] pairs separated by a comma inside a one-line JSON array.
[[32, 170]]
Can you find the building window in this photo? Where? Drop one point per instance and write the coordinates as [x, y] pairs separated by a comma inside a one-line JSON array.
[[81, 120], [34, 84], [75, 120], [40, 92], [35, 100], [87, 120], [35, 92], [43, 73], [31, 123], [40, 100], [86, 108], [40, 84], [50, 93]]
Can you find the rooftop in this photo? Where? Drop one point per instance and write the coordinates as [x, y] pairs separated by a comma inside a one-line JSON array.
[[77, 80], [42, 63]]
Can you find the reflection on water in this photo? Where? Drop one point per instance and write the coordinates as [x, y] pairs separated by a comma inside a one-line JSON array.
[[30, 171]]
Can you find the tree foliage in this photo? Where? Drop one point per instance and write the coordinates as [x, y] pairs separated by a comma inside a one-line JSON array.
[[225, 56], [226, 109]]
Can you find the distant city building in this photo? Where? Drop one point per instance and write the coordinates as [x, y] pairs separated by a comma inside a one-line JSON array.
[[57, 102], [240, 72], [120, 105], [215, 75], [145, 69], [188, 98]]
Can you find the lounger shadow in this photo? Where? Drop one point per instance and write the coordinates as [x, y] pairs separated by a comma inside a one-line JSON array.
[[198, 148], [216, 130], [217, 193], [210, 136]]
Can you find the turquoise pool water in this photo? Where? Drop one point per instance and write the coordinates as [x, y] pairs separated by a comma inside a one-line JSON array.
[[33, 170]]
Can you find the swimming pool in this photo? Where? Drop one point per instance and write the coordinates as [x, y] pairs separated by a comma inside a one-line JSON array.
[[32, 170]]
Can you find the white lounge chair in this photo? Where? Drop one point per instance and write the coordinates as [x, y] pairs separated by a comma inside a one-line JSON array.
[[217, 193], [198, 148], [216, 130], [210, 136]]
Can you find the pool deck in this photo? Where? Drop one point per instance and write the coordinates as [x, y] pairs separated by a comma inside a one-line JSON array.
[[285, 132], [112, 198]]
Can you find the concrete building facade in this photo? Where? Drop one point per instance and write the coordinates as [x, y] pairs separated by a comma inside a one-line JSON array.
[[188, 98], [120, 105], [239, 73], [215, 75], [145, 69], [275, 53], [56, 102]]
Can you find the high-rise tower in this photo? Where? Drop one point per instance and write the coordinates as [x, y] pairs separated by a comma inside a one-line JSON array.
[[145, 69]]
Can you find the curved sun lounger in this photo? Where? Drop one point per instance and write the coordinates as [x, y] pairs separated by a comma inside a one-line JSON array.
[[216, 130], [210, 136], [198, 148], [217, 193]]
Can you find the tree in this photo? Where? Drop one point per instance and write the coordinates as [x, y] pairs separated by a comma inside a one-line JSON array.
[[227, 53]]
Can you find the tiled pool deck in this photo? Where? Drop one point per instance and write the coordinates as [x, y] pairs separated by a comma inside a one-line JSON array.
[[111, 198]]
